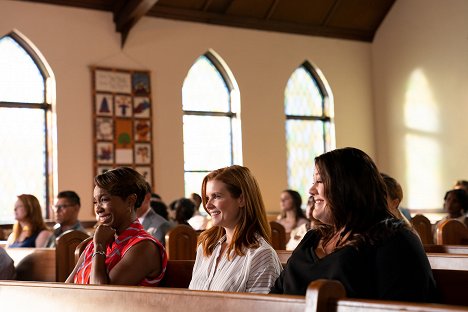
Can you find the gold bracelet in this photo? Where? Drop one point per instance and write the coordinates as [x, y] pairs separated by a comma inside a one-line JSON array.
[[98, 253]]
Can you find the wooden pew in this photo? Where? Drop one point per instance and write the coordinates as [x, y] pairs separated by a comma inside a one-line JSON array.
[[98, 298], [321, 296], [181, 243], [453, 249], [328, 295], [449, 270], [34, 264], [451, 232], [178, 274], [65, 253], [47, 264], [278, 235], [423, 226], [363, 305]]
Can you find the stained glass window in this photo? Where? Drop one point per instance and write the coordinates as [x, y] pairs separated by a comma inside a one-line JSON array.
[[309, 127], [211, 135], [24, 115]]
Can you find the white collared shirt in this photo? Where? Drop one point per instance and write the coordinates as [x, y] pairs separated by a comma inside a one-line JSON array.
[[256, 271]]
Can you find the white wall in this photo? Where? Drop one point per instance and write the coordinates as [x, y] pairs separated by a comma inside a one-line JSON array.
[[420, 65], [73, 39]]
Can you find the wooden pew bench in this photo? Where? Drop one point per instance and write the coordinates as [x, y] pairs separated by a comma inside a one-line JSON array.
[[321, 296], [34, 264], [450, 273], [47, 264], [99, 298], [452, 249], [362, 305]]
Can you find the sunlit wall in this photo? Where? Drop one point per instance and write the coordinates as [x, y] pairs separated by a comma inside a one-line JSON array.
[[420, 70]]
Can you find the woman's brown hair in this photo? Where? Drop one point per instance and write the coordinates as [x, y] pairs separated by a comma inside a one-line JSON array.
[[253, 220]]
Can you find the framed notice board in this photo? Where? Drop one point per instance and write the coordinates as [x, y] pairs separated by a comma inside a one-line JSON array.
[[122, 120]]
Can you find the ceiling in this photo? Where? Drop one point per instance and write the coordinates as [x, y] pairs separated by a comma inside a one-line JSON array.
[[343, 19]]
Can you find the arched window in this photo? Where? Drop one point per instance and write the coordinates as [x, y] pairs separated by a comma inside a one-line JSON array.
[[309, 125], [210, 103], [25, 118]]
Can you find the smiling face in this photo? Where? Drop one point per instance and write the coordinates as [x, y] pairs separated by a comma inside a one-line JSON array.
[[112, 210], [321, 210], [223, 208]]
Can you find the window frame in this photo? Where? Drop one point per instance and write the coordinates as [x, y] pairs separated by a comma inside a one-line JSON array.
[[325, 119], [47, 108], [232, 115]]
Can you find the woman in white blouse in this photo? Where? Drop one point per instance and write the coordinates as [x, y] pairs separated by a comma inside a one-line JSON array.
[[235, 254]]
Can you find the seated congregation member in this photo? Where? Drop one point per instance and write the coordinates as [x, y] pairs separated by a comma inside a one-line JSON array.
[[456, 205], [291, 215], [160, 208], [184, 209], [373, 254], [394, 197], [198, 222], [298, 233], [7, 266], [121, 252], [153, 223], [29, 229], [235, 254], [461, 184], [66, 210]]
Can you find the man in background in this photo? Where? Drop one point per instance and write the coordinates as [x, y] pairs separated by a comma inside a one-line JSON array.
[[66, 210], [153, 223]]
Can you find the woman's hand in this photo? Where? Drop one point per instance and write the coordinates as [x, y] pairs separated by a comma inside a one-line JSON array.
[[104, 235]]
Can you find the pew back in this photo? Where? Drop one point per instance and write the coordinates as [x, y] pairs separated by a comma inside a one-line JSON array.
[[451, 232], [423, 226], [278, 235], [65, 253], [181, 243], [34, 264], [453, 249], [98, 298], [354, 305]]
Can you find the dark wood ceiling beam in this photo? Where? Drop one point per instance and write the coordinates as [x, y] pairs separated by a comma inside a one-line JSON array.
[[272, 9], [228, 6], [128, 13], [260, 24], [331, 12], [207, 5]]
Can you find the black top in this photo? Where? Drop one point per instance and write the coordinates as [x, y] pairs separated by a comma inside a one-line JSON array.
[[396, 268]]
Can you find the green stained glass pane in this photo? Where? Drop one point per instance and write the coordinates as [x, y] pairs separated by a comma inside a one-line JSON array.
[[302, 95], [204, 88], [304, 142], [22, 157], [20, 78], [207, 144]]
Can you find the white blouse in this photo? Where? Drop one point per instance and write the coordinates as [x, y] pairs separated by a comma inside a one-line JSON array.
[[256, 271]]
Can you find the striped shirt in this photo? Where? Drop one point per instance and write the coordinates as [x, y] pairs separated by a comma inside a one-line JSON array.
[[256, 271], [116, 251]]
